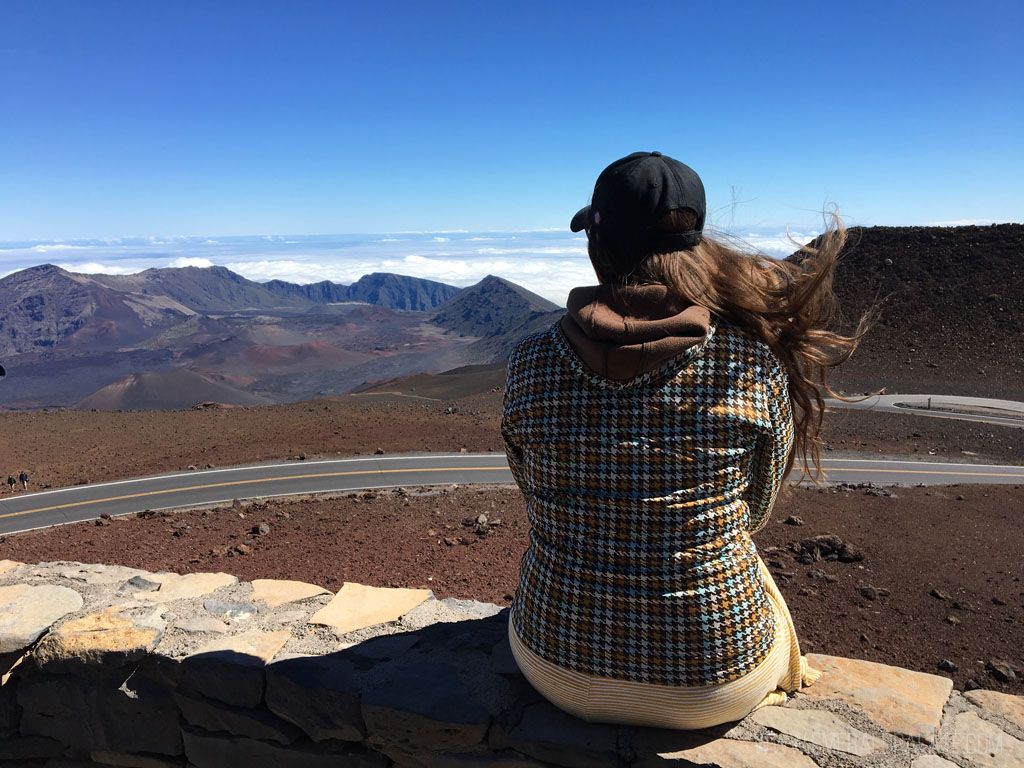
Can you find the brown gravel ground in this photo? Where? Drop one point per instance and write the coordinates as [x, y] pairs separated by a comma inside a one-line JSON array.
[[962, 541], [59, 447], [968, 548]]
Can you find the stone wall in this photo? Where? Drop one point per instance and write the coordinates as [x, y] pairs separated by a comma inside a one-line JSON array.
[[105, 665]]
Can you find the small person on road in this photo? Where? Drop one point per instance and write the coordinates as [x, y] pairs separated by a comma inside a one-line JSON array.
[[11, 481], [23, 477]]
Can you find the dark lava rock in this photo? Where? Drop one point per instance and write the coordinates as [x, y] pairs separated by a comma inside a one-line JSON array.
[[948, 666], [826, 546], [869, 592], [1001, 670]]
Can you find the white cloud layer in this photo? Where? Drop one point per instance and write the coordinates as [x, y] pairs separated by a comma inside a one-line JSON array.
[[549, 263]]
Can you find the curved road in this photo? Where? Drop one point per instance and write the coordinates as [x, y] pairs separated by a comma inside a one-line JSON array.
[[26, 511], [1007, 413]]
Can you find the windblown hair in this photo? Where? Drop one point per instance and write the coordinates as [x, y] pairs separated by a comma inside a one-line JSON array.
[[788, 304]]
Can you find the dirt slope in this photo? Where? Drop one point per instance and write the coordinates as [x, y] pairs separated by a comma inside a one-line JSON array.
[[952, 306]]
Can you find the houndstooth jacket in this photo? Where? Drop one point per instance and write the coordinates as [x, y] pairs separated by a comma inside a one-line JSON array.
[[642, 497]]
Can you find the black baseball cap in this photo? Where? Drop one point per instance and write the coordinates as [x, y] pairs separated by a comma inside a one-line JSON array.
[[633, 193]]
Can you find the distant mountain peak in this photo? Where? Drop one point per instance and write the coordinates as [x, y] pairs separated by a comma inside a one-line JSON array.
[[498, 312], [383, 289]]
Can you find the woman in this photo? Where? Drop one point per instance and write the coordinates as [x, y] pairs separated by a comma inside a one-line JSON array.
[[650, 431]]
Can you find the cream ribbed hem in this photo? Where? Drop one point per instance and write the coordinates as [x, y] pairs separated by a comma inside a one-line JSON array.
[[606, 700]]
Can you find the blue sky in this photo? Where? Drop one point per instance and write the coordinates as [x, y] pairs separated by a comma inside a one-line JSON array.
[[244, 118]]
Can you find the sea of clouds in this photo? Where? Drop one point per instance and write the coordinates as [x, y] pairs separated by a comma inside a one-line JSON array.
[[546, 262]]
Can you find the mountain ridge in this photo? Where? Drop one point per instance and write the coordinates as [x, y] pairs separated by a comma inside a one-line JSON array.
[[384, 289], [472, 312], [69, 336], [45, 306]]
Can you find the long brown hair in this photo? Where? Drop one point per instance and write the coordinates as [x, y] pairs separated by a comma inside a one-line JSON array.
[[788, 304]]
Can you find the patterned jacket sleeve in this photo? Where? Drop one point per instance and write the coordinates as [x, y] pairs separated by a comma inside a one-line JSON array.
[[768, 467], [513, 449]]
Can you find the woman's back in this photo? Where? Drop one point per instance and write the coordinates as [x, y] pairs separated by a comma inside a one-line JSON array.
[[650, 431], [642, 495]]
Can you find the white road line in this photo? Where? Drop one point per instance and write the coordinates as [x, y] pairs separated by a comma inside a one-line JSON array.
[[911, 463]]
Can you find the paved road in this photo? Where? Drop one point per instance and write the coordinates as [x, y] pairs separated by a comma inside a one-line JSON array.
[[1007, 413], [26, 511]]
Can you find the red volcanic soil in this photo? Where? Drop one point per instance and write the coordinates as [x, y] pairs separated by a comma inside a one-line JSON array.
[[263, 360], [959, 542], [962, 541], [59, 447], [177, 388]]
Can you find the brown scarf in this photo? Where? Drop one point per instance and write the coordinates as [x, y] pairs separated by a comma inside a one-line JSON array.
[[621, 331]]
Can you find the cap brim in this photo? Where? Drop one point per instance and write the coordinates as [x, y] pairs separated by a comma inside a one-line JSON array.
[[581, 219]]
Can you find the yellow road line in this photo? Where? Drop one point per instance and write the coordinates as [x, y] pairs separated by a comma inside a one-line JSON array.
[[430, 469], [246, 482]]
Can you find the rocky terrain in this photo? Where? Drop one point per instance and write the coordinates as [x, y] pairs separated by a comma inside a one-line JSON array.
[[867, 572], [122, 666], [951, 302]]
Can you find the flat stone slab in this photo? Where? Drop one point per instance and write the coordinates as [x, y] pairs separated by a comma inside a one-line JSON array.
[[110, 637], [1002, 704], [980, 744], [136, 584], [231, 668], [728, 753], [903, 702], [215, 751], [26, 612], [818, 727], [250, 723], [100, 574], [357, 606], [8, 565], [233, 611], [275, 592], [196, 624], [552, 736], [255, 643], [423, 706], [319, 694], [176, 587]]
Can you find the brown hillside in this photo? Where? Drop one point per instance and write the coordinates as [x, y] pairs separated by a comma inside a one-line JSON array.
[[952, 309], [165, 390]]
